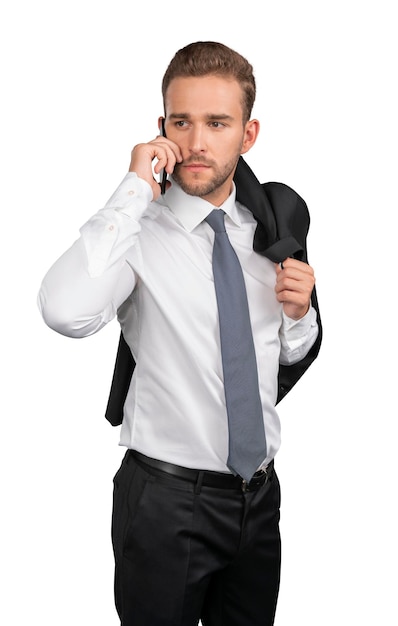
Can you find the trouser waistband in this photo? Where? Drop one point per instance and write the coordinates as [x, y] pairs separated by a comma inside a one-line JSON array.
[[205, 477]]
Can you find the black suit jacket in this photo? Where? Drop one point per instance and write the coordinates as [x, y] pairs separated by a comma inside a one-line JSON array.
[[282, 226]]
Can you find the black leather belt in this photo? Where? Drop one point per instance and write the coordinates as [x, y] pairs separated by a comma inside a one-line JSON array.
[[204, 477]]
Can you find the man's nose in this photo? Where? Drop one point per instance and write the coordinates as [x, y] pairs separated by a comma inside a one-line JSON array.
[[197, 140]]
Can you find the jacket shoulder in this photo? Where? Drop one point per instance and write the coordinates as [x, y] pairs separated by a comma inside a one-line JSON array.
[[290, 211], [285, 198]]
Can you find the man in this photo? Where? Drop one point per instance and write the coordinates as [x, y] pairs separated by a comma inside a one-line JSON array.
[[195, 537]]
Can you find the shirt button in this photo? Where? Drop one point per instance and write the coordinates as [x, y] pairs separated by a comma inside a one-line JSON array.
[[111, 227], [131, 192]]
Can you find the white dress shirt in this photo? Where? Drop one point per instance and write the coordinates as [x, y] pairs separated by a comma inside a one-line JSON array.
[[150, 263]]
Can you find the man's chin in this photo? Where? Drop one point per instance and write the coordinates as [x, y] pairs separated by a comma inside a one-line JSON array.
[[195, 188]]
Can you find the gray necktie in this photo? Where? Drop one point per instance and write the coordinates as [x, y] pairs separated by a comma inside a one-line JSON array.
[[247, 446]]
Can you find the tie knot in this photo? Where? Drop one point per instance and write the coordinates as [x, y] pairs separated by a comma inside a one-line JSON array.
[[216, 220]]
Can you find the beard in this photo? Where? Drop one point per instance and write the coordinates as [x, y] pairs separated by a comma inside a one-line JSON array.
[[197, 187]]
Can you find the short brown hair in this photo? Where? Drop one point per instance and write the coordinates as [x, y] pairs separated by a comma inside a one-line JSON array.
[[205, 58]]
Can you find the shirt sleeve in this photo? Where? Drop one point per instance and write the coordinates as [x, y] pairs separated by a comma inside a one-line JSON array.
[[297, 337], [84, 288]]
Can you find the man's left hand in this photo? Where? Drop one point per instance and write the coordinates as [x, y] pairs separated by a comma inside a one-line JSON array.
[[295, 281]]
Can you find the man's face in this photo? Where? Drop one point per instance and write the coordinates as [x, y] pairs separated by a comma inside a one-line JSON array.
[[204, 118]]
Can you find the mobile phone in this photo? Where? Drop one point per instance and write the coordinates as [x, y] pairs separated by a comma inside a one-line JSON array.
[[163, 173]]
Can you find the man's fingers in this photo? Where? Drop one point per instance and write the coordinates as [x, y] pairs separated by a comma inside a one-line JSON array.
[[294, 282], [167, 153]]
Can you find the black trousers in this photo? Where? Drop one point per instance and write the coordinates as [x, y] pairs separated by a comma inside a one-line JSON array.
[[184, 554]]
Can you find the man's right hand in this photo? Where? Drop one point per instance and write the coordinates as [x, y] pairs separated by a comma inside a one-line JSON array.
[[168, 154]]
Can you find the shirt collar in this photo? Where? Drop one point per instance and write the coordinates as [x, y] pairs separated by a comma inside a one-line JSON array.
[[192, 210]]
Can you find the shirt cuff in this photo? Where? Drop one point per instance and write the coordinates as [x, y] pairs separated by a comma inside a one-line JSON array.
[[297, 336], [113, 230], [297, 328], [131, 197]]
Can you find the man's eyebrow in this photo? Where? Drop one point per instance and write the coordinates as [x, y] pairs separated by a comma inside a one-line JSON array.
[[179, 116], [208, 116]]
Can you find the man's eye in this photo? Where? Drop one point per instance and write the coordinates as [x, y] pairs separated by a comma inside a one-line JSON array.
[[181, 123], [216, 124]]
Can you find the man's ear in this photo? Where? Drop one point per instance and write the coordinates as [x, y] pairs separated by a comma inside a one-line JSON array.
[[252, 129]]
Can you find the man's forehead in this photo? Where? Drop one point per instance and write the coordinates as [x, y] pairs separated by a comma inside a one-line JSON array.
[[211, 95]]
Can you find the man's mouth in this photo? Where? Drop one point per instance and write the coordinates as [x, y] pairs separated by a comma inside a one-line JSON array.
[[195, 166]]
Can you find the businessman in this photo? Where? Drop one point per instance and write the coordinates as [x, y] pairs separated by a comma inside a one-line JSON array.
[[209, 280]]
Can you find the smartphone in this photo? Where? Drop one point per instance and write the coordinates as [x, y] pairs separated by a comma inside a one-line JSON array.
[[163, 173]]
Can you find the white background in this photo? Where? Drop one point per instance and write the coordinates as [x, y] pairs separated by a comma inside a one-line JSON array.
[[80, 86]]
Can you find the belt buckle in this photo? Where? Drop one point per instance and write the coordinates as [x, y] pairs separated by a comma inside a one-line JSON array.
[[245, 485]]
